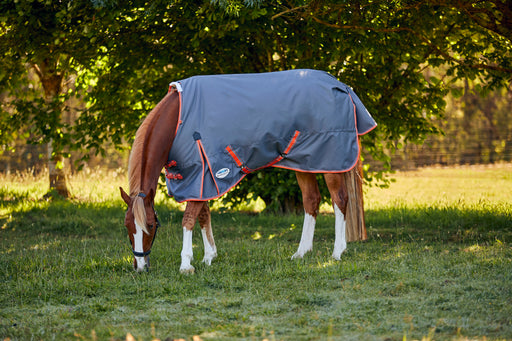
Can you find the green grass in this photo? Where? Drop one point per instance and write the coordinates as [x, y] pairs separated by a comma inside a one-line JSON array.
[[437, 266]]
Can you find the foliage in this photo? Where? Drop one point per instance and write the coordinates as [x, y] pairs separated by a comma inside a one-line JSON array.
[[125, 53], [277, 187], [381, 49], [434, 263], [43, 45]]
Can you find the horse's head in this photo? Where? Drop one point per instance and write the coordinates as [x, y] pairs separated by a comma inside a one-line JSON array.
[[142, 223]]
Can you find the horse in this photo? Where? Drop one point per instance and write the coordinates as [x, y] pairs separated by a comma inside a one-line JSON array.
[[167, 133]]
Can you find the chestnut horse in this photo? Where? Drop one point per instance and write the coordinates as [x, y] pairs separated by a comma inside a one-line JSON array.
[[149, 155]]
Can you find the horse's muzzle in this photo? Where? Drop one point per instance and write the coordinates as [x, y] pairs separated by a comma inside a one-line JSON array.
[[141, 264]]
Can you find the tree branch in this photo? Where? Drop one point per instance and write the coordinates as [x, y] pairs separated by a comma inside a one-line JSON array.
[[471, 12], [288, 11], [37, 70]]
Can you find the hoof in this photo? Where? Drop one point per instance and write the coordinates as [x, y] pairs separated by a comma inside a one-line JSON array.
[[301, 252], [208, 259], [337, 253], [336, 256], [187, 270]]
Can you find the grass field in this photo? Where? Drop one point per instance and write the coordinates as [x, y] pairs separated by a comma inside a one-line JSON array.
[[437, 266]]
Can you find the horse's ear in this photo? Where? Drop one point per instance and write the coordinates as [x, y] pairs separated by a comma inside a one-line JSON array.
[[125, 196], [151, 196]]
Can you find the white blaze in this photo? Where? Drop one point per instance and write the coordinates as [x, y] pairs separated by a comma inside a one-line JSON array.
[[137, 247]]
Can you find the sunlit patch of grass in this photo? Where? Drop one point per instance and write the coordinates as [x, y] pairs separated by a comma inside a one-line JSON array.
[[437, 266], [476, 185]]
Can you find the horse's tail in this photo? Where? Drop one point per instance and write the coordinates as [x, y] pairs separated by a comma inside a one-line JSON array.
[[355, 227], [139, 213]]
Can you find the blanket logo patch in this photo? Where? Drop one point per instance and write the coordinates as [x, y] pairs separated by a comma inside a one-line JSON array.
[[222, 173]]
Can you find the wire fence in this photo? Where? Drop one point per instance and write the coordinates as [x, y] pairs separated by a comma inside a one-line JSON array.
[[446, 151], [435, 151]]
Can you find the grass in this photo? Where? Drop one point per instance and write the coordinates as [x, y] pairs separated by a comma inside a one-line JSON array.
[[437, 266]]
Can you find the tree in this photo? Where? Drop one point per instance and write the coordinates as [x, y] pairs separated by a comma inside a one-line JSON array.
[[380, 48], [187, 38], [44, 44], [383, 48]]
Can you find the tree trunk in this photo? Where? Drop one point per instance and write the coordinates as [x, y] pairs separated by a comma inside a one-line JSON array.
[[287, 205], [291, 206], [56, 172], [355, 227], [51, 79]]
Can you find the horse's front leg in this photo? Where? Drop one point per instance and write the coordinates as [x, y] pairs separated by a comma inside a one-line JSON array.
[[311, 200], [189, 219], [205, 222]]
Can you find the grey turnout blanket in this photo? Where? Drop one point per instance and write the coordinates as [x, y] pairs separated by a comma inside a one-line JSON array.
[[231, 125]]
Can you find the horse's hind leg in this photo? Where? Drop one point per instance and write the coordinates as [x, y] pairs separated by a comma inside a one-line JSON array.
[[205, 222], [189, 219], [336, 185], [311, 199]]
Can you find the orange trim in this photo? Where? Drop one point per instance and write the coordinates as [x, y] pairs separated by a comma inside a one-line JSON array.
[[216, 196], [273, 162], [357, 133], [355, 112], [237, 160], [315, 171], [355, 119], [292, 142], [234, 156], [202, 174], [286, 151], [209, 167], [179, 115], [247, 170]]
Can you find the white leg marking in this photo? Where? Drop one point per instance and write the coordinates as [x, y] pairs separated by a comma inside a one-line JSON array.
[[340, 243], [210, 251], [306, 240], [137, 241], [187, 253]]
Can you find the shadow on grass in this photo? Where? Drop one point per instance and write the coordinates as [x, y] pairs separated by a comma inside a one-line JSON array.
[[481, 223], [63, 218]]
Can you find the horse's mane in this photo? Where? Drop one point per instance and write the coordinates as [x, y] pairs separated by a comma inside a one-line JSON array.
[[135, 161], [136, 164]]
